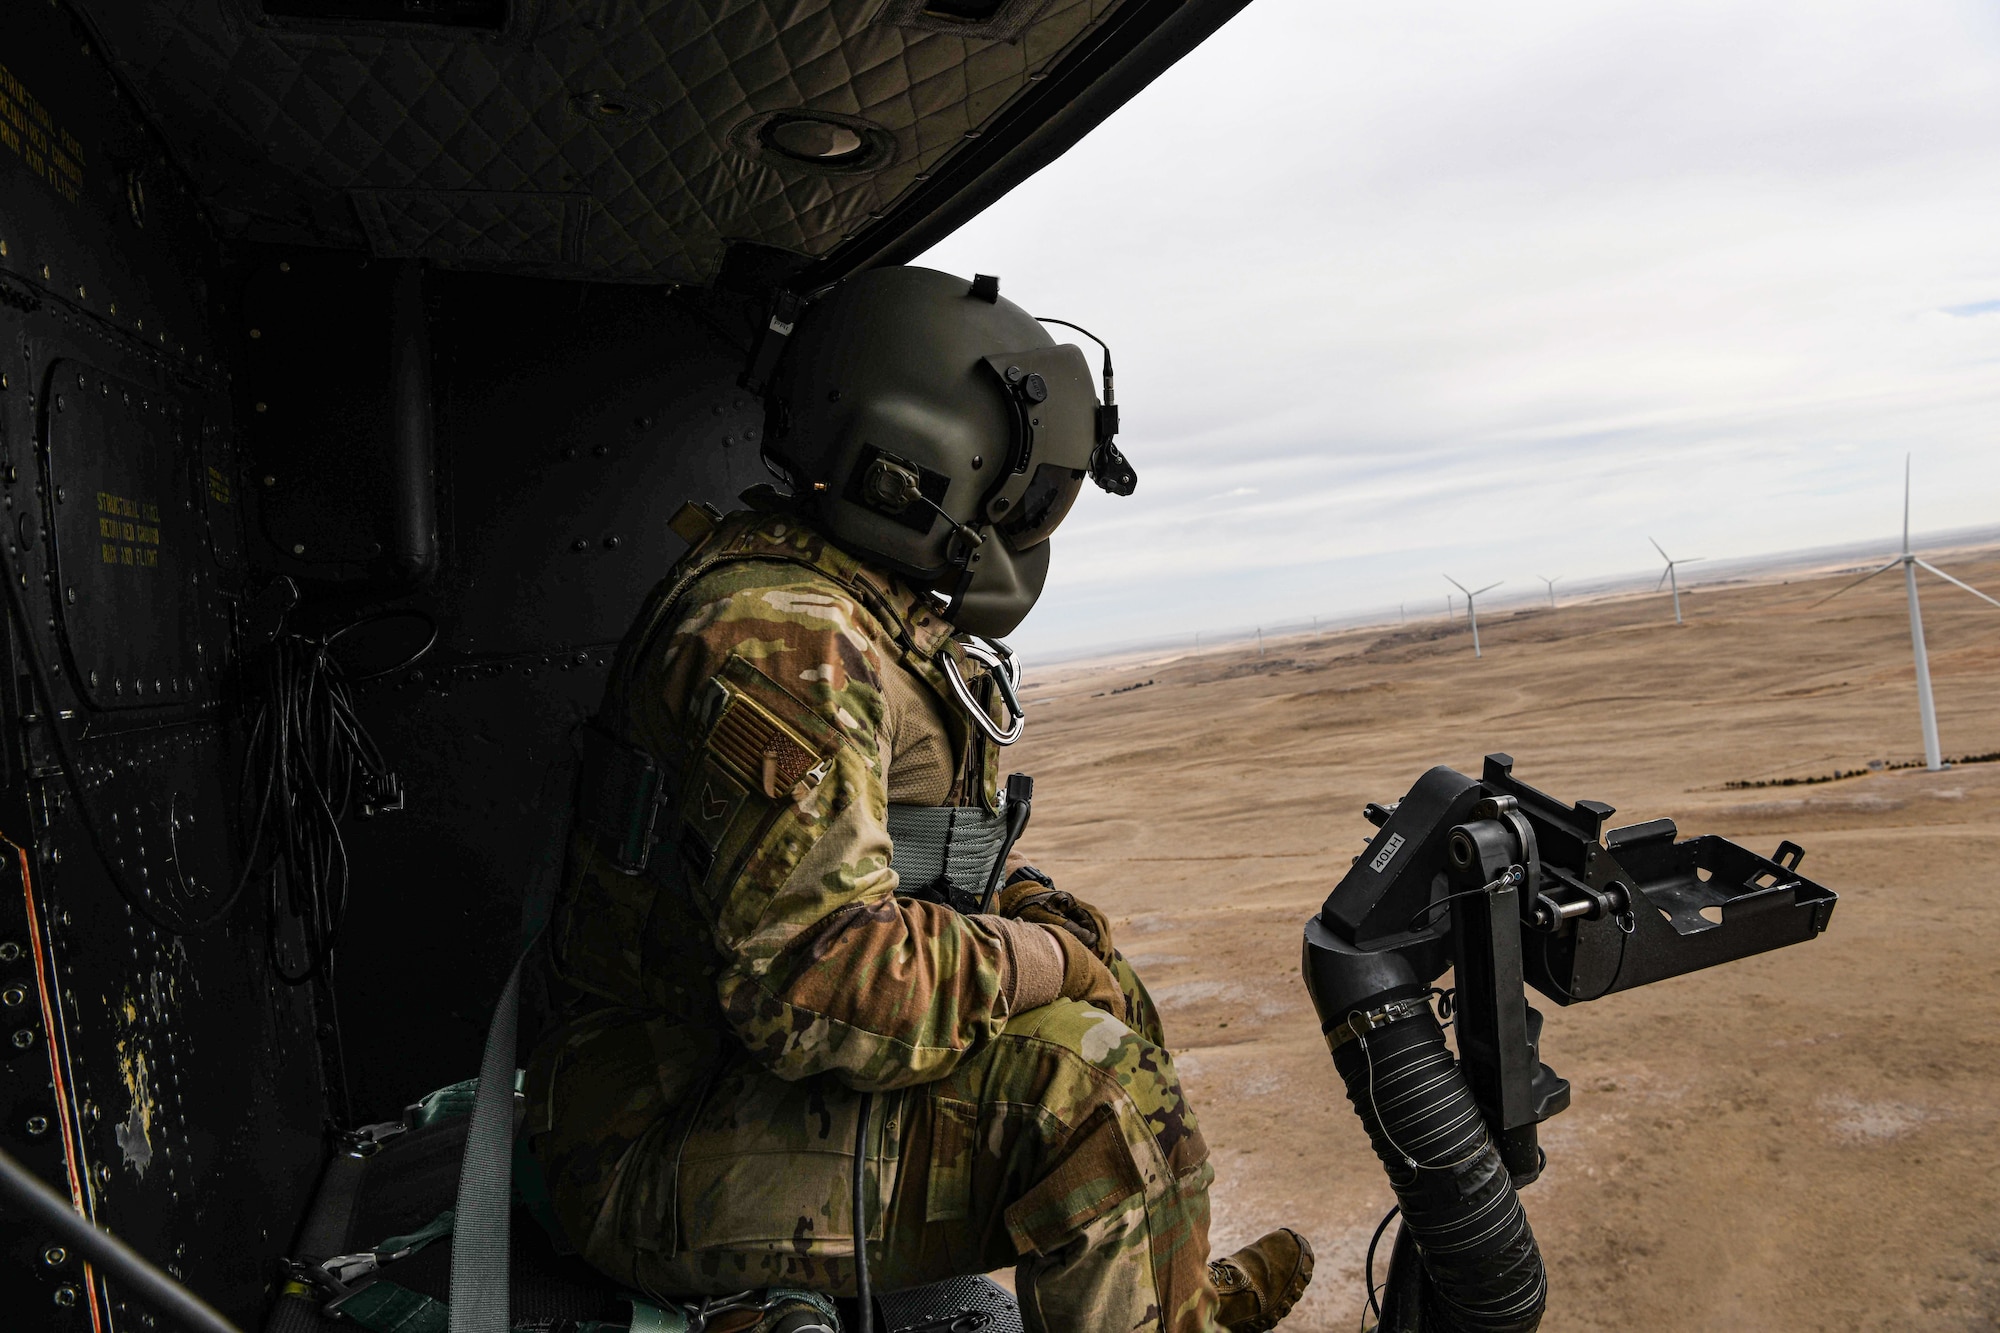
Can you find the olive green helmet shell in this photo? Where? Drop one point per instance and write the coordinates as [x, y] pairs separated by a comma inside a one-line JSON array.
[[907, 379]]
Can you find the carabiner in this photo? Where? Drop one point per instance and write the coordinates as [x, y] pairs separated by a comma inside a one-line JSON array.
[[999, 659], [1006, 667]]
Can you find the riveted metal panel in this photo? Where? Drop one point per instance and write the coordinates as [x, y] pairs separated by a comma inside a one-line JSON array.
[[168, 1085], [125, 535], [221, 509]]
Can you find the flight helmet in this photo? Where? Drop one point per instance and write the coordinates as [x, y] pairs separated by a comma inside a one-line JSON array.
[[930, 425]]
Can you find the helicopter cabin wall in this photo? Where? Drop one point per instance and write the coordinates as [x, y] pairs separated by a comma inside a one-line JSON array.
[[570, 421], [152, 1068], [456, 485]]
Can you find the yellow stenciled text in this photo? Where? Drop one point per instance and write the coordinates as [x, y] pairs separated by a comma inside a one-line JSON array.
[[129, 531]]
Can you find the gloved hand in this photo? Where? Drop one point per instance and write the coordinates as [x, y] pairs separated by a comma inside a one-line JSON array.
[[1086, 978], [1031, 896]]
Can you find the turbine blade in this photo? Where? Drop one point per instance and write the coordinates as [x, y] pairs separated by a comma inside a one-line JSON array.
[[1456, 584], [1925, 564], [1663, 576], [1689, 559], [1906, 504], [1489, 588], [1661, 549], [1858, 582]]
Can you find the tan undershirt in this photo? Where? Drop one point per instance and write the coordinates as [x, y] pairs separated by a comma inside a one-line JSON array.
[[921, 764], [921, 769]]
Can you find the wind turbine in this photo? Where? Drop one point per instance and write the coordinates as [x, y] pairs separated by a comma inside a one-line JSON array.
[[1669, 575], [1471, 613], [1933, 757], [1552, 582]]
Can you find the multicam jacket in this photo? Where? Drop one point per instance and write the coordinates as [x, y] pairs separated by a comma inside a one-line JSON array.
[[764, 678]]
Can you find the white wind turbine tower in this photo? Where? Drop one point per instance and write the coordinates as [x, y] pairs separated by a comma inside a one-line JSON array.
[[1670, 575], [1552, 582], [1471, 612], [1933, 757]]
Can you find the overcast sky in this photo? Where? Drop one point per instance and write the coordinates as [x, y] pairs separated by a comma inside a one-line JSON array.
[[1400, 289]]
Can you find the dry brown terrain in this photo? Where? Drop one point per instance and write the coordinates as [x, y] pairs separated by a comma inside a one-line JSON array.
[[1803, 1140]]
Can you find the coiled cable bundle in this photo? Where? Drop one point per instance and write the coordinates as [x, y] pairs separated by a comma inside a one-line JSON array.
[[310, 755], [1482, 1267]]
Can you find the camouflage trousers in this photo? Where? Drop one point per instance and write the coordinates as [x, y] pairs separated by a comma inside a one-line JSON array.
[[1063, 1148]]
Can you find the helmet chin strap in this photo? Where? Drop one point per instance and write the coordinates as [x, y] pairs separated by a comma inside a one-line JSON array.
[[998, 658], [1005, 669], [964, 583]]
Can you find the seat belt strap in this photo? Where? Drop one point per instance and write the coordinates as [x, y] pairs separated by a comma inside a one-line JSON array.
[[479, 1240]]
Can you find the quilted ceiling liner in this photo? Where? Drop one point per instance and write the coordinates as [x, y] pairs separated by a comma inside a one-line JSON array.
[[491, 148]]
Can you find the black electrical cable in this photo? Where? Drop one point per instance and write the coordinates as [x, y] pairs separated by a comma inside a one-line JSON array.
[[1513, 874], [312, 752], [1626, 925], [1109, 390], [403, 613], [1411, 925], [48, 1211], [138, 899], [1368, 1270], [864, 1319]]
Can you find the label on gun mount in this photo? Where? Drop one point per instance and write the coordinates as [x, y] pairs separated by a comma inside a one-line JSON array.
[[1387, 854]]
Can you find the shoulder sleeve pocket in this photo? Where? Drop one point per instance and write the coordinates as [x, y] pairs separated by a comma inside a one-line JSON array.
[[767, 739], [765, 750]]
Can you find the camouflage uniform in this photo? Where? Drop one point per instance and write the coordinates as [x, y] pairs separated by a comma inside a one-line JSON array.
[[696, 1098]]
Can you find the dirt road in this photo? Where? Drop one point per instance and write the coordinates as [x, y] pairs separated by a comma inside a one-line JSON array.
[[1803, 1140]]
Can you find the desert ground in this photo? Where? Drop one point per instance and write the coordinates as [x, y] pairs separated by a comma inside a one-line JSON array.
[[1800, 1140]]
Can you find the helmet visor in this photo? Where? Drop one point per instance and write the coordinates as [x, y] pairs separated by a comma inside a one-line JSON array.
[[1051, 491]]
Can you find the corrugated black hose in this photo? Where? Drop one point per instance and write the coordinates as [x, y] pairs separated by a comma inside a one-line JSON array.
[[1483, 1272]]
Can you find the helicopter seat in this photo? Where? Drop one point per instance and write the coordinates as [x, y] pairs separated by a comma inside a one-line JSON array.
[[375, 1254], [384, 1202]]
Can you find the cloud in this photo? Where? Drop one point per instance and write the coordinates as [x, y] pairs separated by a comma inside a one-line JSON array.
[[1405, 287]]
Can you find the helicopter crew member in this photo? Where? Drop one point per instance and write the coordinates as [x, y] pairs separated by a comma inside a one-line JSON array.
[[769, 955]]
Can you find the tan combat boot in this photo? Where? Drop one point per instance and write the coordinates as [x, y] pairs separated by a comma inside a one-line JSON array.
[[1260, 1283]]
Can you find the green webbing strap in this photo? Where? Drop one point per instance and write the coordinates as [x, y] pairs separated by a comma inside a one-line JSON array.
[[648, 1318], [818, 1300], [446, 1102], [402, 1247], [384, 1307]]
